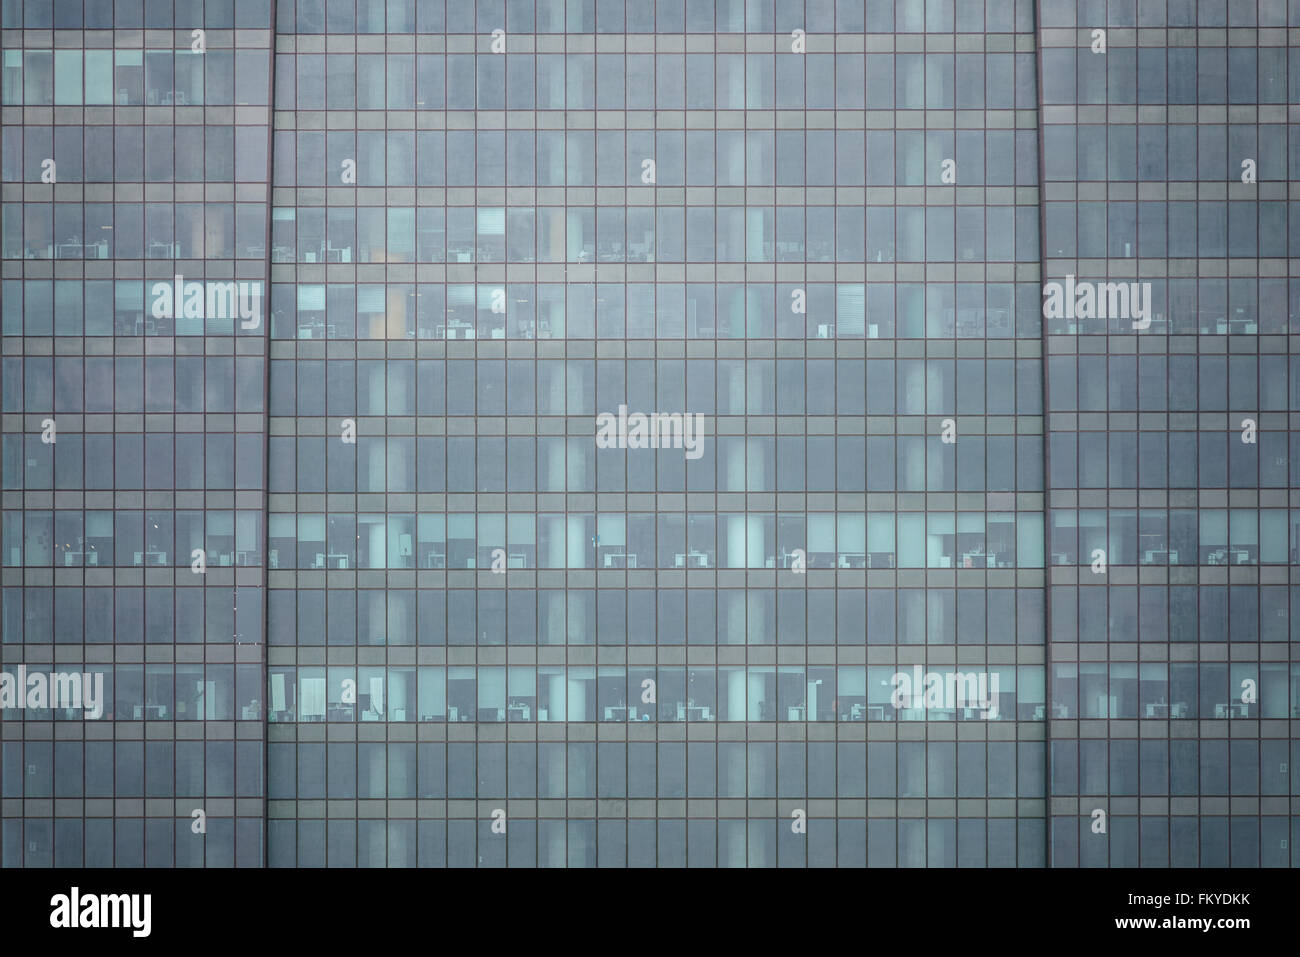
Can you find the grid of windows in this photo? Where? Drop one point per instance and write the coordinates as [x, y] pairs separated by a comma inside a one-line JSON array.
[[678, 213], [366, 545], [1168, 442], [134, 148]]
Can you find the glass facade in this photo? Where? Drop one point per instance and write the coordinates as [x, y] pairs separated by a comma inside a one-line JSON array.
[[135, 152], [573, 432], [1166, 169]]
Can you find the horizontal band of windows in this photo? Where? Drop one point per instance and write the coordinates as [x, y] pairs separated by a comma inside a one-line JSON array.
[[650, 617], [588, 235], [582, 693], [186, 77], [779, 693], [1148, 536], [68, 538]]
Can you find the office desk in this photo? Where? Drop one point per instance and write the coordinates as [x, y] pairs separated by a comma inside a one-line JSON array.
[[629, 561], [700, 713], [316, 330], [1234, 710]]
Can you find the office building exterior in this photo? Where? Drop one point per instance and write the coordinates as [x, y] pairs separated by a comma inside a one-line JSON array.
[[743, 433]]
